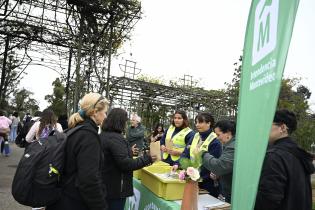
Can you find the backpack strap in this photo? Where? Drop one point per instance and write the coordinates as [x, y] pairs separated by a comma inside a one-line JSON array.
[[70, 131]]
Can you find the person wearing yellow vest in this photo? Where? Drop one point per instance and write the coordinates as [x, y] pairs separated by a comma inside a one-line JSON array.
[[205, 140], [176, 137]]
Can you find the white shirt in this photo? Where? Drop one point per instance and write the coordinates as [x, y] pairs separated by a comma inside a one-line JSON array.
[[33, 132]]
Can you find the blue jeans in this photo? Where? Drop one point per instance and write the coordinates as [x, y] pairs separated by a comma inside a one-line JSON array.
[[13, 132], [116, 204]]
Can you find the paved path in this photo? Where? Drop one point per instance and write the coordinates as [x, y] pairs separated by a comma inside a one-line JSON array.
[[7, 169]]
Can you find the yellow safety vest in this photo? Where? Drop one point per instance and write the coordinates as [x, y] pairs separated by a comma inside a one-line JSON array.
[[202, 145], [178, 141]]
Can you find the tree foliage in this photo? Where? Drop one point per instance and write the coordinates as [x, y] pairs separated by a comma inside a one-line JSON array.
[[23, 102], [233, 88], [57, 99], [12, 78], [293, 96], [151, 112]]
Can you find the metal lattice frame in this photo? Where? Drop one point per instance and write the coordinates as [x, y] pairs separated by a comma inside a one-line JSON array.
[[134, 95], [82, 29], [56, 22], [55, 27]]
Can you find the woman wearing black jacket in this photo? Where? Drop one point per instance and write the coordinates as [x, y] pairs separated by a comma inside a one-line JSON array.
[[83, 187], [119, 164]]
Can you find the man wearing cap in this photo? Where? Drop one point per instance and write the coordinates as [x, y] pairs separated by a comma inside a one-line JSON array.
[[135, 133], [285, 182]]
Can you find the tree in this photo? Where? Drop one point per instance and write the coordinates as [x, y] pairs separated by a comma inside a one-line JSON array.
[[293, 96], [233, 88], [296, 100], [23, 102], [101, 28], [151, 111], [12, 77], [57, 99]]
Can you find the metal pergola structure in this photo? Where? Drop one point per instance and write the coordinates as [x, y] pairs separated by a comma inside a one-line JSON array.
[[88, 31], [141, 97], [79, 38]]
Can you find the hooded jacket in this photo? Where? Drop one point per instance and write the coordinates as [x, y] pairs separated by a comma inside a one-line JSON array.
[[285, 182]]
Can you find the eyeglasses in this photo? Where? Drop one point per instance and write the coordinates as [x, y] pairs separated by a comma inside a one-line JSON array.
[[279, 124]]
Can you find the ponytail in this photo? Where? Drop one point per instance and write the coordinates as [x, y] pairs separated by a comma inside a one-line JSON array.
[[74, 120]]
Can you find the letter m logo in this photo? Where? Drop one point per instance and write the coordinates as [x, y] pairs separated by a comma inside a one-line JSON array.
[[265, 29]]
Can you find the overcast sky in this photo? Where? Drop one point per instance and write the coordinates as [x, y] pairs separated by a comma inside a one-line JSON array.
[[202, 38]]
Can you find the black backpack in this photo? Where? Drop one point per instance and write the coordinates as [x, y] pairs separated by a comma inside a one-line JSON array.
[[37, 180]]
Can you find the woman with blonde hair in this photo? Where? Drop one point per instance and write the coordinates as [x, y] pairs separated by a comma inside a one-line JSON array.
[[83, 188]]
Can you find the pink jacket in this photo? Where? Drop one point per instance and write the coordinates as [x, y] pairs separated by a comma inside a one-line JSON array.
[[5, 122]]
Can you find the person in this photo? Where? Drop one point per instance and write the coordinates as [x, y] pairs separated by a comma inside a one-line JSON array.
[[42, 128], [157, 133], [83, 187], [14, 126], [63, 120], [285, 181], [223, 166], [135, 133], [37, 116], [4, 131], [27, 115], [119, 163], [176, 137], [28, 123], [206, 139]]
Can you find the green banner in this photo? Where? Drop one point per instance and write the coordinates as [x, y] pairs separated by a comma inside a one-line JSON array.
[[144, 199], [269, 29]]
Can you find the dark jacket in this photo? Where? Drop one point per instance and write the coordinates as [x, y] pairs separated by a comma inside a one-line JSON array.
[[285, 182], [83, 189], [135, 135], [222, 167], [119, 165]]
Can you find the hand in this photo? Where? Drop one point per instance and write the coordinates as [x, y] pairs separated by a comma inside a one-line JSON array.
[[154, 158], [163, 148], [174, 152], [197, 151], [174, 168], [213, 176], [135, 150], [169, 151]]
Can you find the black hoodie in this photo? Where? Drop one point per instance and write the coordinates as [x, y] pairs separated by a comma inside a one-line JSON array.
[[285, 182]]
